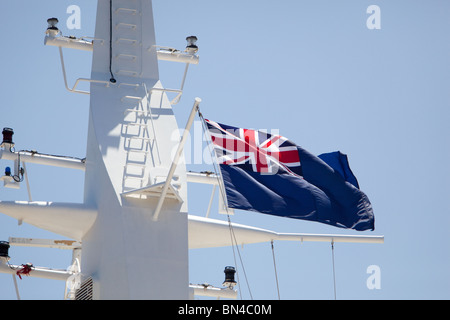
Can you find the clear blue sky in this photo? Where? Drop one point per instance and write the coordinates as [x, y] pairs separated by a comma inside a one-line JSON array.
[[311, 70]]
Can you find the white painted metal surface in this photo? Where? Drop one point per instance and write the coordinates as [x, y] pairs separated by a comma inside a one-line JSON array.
[[166, 54], [209, 233], [50, 160], [177, 57], [71, 220], [38, 272], [146, 259], [68, 42], [210, 291], [44, 243]]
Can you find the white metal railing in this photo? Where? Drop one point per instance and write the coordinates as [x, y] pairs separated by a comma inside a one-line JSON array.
[[78, 80], [162, 53]]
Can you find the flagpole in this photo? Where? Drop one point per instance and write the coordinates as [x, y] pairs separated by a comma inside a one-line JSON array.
[[176, 158]]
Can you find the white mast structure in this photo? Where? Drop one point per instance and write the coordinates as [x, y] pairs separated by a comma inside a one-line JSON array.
[[133, 229]]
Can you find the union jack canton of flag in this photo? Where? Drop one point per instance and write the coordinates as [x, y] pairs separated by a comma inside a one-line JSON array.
[[269, 174], [259, 151]]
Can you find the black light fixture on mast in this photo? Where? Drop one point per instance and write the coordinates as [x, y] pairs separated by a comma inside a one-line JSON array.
[[4, 248], [7, 135], [52, 29], [229, 277], [191, 44]]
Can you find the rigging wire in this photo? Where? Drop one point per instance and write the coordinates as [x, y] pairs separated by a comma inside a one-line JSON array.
[[275, 268], [237, 270], [233, 237], [334, 272], [222, 193]]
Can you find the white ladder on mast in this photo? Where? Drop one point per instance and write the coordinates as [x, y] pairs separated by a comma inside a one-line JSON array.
[[139, 140], [128, 62]]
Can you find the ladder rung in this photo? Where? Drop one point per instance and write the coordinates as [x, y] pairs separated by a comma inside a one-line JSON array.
[[137, 111], [126, 26], [126, 10], [136, 124], [128, 72], [138, 151], [135, 164], [127, 41], [129, 84], [132, 98], [137, 157], [128, 57], [141, 138], [133, 178]]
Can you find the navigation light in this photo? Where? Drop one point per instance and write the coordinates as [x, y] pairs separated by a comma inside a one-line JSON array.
[[191, 46]]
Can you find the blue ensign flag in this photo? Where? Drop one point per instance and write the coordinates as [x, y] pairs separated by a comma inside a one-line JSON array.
[[269, 174]]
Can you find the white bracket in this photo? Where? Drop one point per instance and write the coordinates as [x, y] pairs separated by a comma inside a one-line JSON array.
[[155, 190], [107, 83]]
